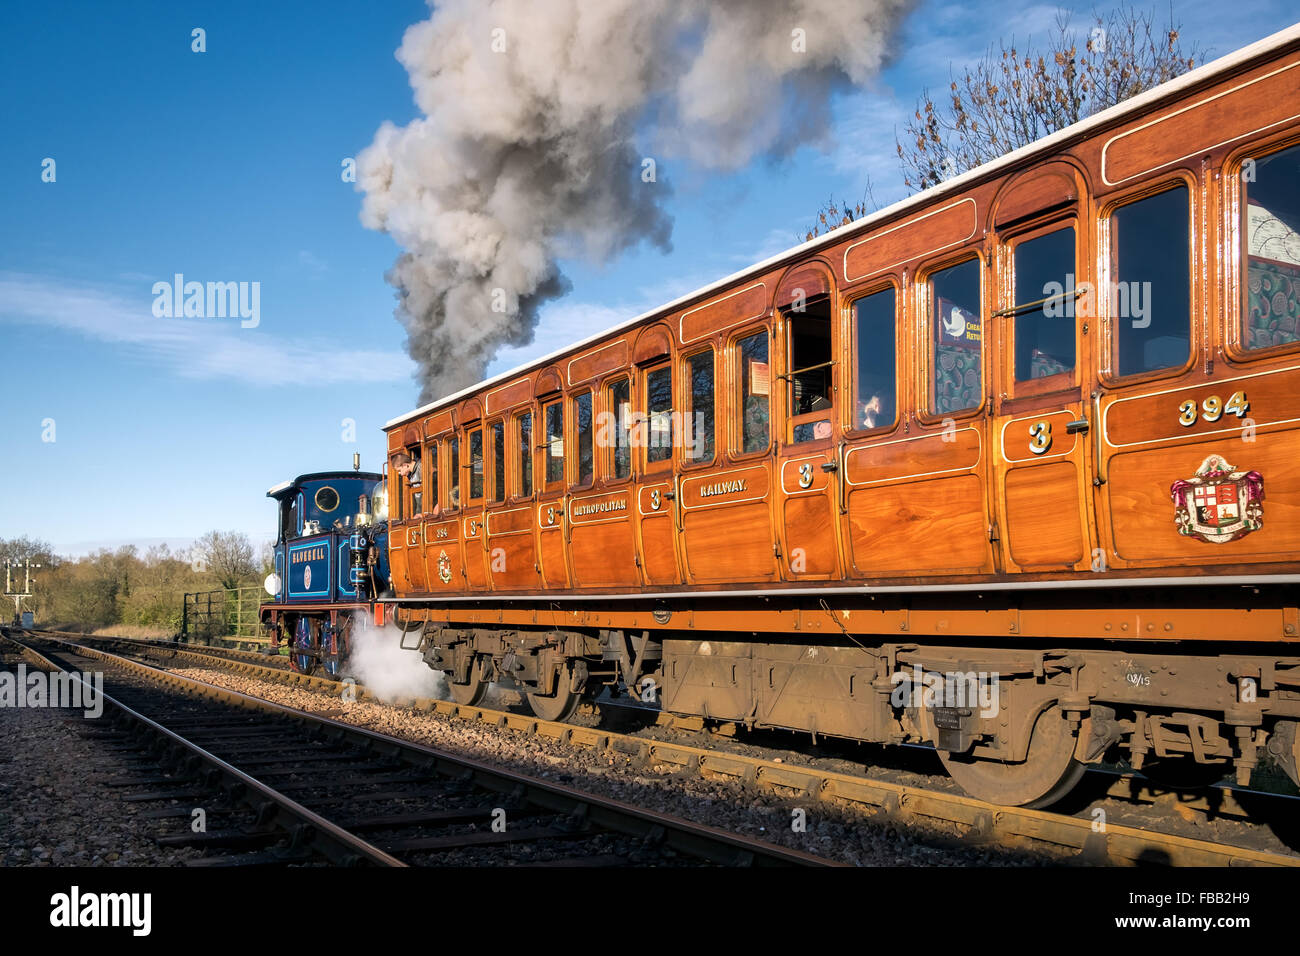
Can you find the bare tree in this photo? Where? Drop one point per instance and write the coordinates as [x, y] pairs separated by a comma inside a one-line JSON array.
[[1014, 96], [228, 556], [833, 214]]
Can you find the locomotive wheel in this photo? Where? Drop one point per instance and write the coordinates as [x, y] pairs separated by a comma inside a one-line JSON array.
[[303, 636], [561, 704], [1048, 772]]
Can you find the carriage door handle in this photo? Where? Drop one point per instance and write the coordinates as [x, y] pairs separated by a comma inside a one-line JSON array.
[[1076, 426]]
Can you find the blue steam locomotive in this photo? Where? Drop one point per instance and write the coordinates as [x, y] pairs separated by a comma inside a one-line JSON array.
[[331, 566]]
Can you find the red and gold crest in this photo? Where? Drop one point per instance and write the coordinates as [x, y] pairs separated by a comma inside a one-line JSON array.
[[444, 567], [1219, 504]]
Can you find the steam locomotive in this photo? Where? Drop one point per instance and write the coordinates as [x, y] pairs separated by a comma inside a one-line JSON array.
[[331, 566]]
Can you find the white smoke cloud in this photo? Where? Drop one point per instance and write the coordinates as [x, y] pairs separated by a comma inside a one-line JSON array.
[[528, 152], [379, 664]]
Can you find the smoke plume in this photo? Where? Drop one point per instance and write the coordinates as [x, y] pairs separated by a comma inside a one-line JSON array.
[[540, 120]]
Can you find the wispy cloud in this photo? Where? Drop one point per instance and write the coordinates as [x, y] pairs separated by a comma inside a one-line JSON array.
[[189, 347], [314, 264]]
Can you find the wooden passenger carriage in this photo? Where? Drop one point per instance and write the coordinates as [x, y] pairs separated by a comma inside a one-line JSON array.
[[1050, 403]]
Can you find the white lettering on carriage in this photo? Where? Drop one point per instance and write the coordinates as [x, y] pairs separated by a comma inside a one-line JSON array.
[[616, 504], [725, 488]]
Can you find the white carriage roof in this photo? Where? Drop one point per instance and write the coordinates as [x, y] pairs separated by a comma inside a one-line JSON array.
[[1208, 71]]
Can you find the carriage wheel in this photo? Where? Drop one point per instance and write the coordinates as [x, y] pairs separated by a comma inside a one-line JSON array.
[[469, 693], [304, 636], [1048, 772], [561, 704]]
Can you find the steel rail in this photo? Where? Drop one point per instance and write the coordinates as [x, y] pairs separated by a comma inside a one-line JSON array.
[[700, 840], [300, 824], [983, 822]]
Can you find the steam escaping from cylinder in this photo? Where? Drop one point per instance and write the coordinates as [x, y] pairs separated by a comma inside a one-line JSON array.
[[379, 663], [547, 126]]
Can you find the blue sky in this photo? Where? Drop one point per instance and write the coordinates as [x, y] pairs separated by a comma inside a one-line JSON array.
[[224, 166]]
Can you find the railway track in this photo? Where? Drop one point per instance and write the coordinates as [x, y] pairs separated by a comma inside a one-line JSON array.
[[297, 787], [924, 806]]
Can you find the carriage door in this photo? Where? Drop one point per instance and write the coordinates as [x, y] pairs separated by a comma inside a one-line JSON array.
[[808, 455], [551, 559], [472, 529], [1042, 423]]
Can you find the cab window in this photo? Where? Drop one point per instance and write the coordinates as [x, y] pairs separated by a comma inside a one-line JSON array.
[[1150, 295], [755, 390], [958, 334], [875, 328], [1272, 248]]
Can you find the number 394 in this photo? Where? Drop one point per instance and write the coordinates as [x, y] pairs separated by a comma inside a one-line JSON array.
[[1213, 408]]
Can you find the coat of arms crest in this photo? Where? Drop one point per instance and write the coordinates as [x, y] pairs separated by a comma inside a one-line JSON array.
[[444, 567], [1219, 504]]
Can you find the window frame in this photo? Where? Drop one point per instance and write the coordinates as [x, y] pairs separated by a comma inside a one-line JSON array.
[[607, 474], [685, 379], [1060, 382], [736, 423], [431, 452], [575, 479], [455, 466], [491, 494], [1236, 274], [880, 284], [1109, 353], [791, 422], [559, 484], [524, 452], [664, 464], [923, 300]]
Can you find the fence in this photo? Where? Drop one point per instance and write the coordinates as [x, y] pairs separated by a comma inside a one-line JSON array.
[[225, 612]]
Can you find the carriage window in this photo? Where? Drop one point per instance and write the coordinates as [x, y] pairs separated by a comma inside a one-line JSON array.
[[414, 481], [659, 405], [810, 369], [955, 316], [755, 389], [476, 464], [1272, 230], [453, 484], [1044, 330], [1150, 303], [554, 444], [584, 431], [498, 462], [431, 474], [875, 324], [620, 424], [700, 423], [525, 446]]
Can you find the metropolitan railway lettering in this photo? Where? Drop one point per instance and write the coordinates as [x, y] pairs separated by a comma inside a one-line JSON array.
[[724, 488], [617, 504]]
